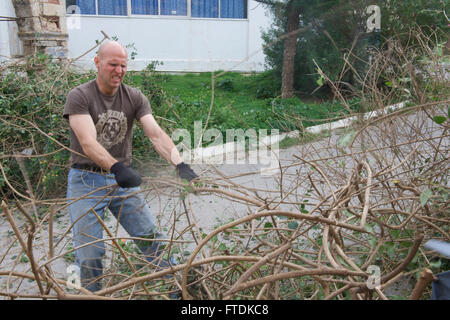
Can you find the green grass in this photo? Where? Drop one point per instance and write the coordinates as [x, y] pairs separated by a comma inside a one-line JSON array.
[[240, 101]]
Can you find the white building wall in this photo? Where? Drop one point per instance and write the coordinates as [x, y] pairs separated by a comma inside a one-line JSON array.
[[10, 44], [181, 44]]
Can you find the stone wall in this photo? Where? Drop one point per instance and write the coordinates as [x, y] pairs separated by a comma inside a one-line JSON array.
[[42, 26]]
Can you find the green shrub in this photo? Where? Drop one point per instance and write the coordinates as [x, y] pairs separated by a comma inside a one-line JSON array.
[[226, 84], [32, 96], [333, 30]]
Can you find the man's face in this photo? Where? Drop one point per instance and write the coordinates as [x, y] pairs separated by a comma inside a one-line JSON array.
[[111, 65]]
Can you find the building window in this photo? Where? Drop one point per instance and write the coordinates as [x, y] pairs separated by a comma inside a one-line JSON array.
[[236, 9], [205, 8], [85, 6], [227, 9], [112, 7], [149, 7], [100, 7], [174, 7]]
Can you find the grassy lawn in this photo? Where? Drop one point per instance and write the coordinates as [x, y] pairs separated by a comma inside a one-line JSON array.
[[240, 101]]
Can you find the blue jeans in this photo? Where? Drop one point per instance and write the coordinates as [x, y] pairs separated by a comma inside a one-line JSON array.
[[131, 210]]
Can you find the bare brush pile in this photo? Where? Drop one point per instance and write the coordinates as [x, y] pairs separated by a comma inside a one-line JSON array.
[[342, 217]]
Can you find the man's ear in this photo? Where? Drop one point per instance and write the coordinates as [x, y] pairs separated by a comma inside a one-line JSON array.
[[96, 61]]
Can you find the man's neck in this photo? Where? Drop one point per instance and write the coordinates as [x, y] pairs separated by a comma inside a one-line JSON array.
[[104, 90]]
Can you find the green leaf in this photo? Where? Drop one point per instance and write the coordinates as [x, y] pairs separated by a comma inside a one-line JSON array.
[[438, 50], [391, 252], [425, 196], [415, 259], [439, 119], [346, 139], [320, 81], [436, 264], [293, 225], [406, 244], [187, 187], [24, 259], [268, 225], [369, 228], [395, 233], [222, 247]]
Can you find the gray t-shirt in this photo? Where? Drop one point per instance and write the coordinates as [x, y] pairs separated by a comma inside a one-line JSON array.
[[113, 118]]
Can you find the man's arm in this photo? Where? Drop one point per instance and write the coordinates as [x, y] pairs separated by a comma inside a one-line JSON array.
[[165, 147], [161, 141], [84, 128]]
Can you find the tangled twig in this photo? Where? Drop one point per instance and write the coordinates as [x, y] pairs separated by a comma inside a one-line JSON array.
[[367, 196]]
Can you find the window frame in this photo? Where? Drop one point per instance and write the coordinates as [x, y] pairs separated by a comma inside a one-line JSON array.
[[159, 15]]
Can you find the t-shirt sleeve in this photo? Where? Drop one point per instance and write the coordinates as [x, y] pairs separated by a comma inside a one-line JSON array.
[[76, 103], [142, 105]]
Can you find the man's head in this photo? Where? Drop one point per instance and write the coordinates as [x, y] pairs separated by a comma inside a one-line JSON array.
[[111, 62]]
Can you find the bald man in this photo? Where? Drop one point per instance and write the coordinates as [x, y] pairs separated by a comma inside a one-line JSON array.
[[101, 115]]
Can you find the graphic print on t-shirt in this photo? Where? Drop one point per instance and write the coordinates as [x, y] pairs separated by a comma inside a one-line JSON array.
[[111, 128]]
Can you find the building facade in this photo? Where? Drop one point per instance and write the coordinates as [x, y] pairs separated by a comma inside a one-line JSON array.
[[183, 35]]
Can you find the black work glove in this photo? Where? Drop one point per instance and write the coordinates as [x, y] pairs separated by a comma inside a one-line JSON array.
[[125, 176], [185, 172]]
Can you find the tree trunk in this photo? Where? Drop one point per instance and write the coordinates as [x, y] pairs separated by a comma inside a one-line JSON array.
[[290, 46]]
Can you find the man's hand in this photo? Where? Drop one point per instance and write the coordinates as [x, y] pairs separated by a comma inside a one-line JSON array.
[[125, 176], [185, 172]]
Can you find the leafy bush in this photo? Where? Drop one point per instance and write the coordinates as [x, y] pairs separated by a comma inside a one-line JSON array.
[[332, 30], [32, 96], [268, 85], [226, 84], [150, 84]]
